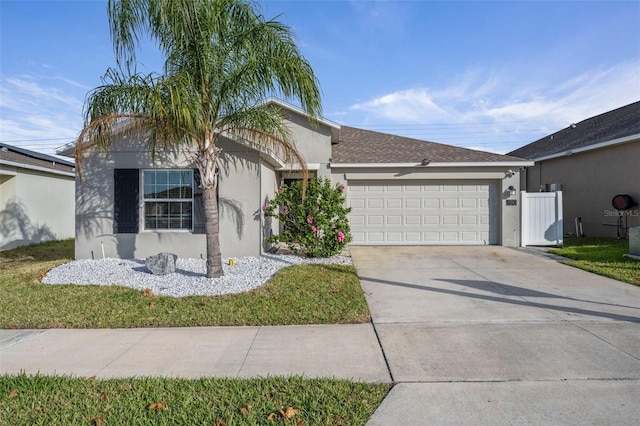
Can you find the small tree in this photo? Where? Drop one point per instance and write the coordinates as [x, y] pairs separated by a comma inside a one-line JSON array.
[[313, 224], [223, 61]]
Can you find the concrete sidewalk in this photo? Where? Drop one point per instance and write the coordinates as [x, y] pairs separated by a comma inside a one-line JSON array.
[[349, 351]]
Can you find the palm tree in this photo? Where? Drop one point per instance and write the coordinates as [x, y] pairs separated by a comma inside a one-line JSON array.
[[222, 61]]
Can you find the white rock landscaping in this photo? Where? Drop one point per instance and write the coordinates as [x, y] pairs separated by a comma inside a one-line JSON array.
[[188, 279]]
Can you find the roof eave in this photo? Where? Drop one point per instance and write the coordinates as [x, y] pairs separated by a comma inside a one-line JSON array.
[[67, 150], [523, 163], [38, 168], [300, 111], [618, 141]]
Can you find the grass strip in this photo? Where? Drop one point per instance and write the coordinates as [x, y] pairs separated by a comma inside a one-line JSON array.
[[64, 400], [301, 294], [602, 256]]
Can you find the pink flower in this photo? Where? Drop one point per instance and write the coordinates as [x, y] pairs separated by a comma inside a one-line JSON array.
[[341, 188], [265, 206], [314, 229], [340, 236], [309, 220], [285, 212]]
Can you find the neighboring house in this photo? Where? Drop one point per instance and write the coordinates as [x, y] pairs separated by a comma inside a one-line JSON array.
[[401, 191], [592, 161], [37, 197]]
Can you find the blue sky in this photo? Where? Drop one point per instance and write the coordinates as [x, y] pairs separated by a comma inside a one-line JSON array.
[[485, 75]]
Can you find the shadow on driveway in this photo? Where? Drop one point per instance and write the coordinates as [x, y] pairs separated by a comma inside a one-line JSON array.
[[513, 291]]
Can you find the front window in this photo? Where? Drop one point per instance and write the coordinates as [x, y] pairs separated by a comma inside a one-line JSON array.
[[168, 199]]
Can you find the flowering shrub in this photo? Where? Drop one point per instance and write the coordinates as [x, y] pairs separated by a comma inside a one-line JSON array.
[[316, 226]]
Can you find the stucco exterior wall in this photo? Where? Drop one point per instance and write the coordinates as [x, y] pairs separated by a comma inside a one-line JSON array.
[[314, 143], [35, 206], [508, 215], [269, 184], [589, 181], [238, 201]]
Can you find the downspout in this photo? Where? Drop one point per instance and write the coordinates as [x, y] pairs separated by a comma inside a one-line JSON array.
[[540, 179], [261, 239]]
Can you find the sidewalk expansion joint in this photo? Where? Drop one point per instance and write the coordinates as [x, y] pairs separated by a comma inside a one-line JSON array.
[[384, 355], [595, 379], [244, 360], [127, 349]]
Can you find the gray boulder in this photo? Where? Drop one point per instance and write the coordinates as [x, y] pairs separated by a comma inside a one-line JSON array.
[[161, 263]]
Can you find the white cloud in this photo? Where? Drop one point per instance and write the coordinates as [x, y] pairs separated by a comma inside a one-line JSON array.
[[499, 110], [405, 106], [40, 112]]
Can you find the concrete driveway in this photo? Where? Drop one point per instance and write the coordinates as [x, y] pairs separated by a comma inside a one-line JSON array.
[[493, 335]]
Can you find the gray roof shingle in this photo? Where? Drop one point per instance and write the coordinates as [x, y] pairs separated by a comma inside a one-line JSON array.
[[32, 158], [615, 124], [366, 146]]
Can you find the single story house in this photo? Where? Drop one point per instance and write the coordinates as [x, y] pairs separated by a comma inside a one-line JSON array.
[[591, 162], [37, 197], [401, 191]]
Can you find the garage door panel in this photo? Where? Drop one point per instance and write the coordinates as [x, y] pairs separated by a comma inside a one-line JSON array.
[[469, 203], [449, 220], [393, 237], [412, 220], [450, 203], [357, 220], [431, 220], [469, 236], [450, 237], [394, 203], [356, 203], [413, 237], [394, 220], [412, 203], [431, 237], [375, 203], [375, 220], [431, 203], [468, 188], [469, 220], [424, 212], [376, 237], [358, 236]]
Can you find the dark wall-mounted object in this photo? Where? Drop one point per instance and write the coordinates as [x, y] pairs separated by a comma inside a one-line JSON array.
[[623, 202]]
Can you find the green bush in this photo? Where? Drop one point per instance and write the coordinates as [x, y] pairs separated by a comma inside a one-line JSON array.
[[313, 226]]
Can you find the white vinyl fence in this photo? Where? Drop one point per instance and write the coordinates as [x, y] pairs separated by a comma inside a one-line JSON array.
[[541, 218]]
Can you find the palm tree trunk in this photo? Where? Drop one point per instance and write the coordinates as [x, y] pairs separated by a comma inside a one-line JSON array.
[[211, 227]]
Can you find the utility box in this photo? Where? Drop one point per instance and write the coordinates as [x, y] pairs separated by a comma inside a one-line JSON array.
[[634, 241]]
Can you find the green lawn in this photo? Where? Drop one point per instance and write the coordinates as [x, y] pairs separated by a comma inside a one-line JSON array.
[[302, 294], [42, 400], [603, 256]]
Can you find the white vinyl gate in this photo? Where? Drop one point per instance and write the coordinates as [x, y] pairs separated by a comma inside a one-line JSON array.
[[541, 218]]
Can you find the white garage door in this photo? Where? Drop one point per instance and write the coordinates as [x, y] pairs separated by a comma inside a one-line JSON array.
[[423, 212]]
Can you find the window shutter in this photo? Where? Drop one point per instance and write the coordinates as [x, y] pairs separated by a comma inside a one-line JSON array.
[[198, 204], [126, 201]]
